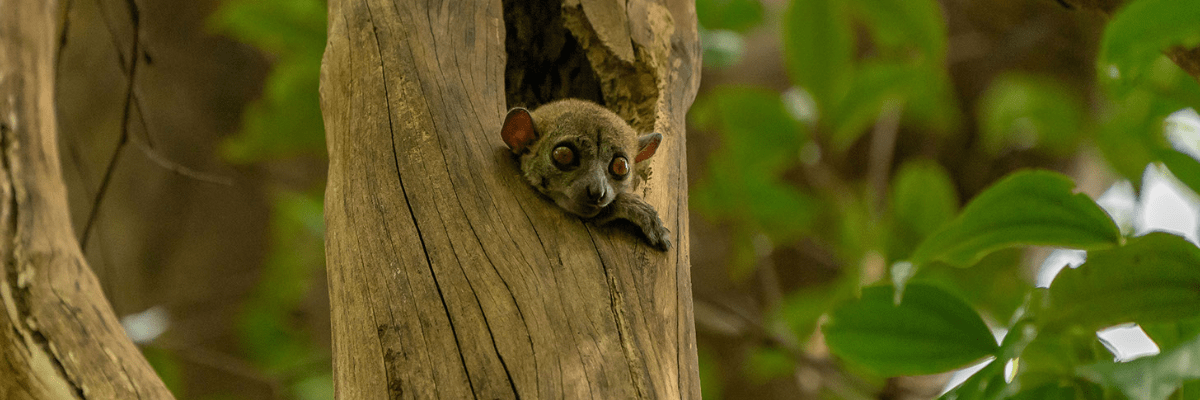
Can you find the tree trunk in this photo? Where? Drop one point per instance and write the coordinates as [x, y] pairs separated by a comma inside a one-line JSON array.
[[449, 276], [59, 338]]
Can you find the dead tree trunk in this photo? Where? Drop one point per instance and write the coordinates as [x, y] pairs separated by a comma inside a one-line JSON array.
[[59, 338], [449, 276]]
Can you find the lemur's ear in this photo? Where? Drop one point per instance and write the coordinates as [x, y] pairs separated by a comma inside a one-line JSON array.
[[518, 130], [647, 144]]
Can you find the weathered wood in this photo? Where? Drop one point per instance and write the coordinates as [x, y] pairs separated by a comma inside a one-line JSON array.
[[59, 338], [449, 276]]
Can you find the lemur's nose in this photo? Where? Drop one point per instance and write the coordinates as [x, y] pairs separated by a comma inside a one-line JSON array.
[[596, 192]]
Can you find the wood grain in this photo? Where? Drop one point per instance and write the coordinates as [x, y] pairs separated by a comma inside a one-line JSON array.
[[59, 338], [449, 276]]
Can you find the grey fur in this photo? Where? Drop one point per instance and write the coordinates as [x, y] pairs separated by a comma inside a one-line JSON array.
[[589, 189]]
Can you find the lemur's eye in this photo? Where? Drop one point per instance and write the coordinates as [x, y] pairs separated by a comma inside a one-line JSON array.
[[563, 156], [619, 166]]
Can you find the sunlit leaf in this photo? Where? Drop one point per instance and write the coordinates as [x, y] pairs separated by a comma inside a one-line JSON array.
[[1022, 111], [1140, 31], [1153, 278], [1025, 208], [818, 48], [1149, 378], [930, 331]]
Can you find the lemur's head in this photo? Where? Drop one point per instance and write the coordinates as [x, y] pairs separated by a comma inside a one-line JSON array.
[[576, 152]]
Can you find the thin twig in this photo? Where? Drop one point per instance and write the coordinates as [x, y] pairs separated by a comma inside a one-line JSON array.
[[180, 169], [134, 20], [62, 37], [134, 100], [842, 385], [222, 362], [883, 149]]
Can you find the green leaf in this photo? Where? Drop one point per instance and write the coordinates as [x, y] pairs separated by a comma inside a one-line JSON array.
[[1047, 392], [1023, 111], [768, 363], [1138, 34], [923, 199], [922, 92], [901, 25], [1131, 134], [280, 27], [994, 286], [314, 387], [1170, 334], [1149, 378], [818, 48], [756, 130], [1183, 167], [735, 15], [801, 310], [760, 140], [930, 331], [986, 384], [730, 192], [1153, 278], [1026, 208], [286, 121]]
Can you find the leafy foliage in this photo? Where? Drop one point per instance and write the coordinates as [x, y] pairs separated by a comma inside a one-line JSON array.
[[860, 63], [734, 15], [1150, 378], [1153, 278], [284, 126], [1138, 34], [817, 42], [1022, 111], [929, 331], [1026, 208], [286, 122]]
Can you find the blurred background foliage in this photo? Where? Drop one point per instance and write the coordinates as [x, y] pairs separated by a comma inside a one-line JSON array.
[[892, 145], [871, 203]]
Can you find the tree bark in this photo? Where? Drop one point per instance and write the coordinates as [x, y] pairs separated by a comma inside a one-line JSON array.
[[59, 338], [449, 276]]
